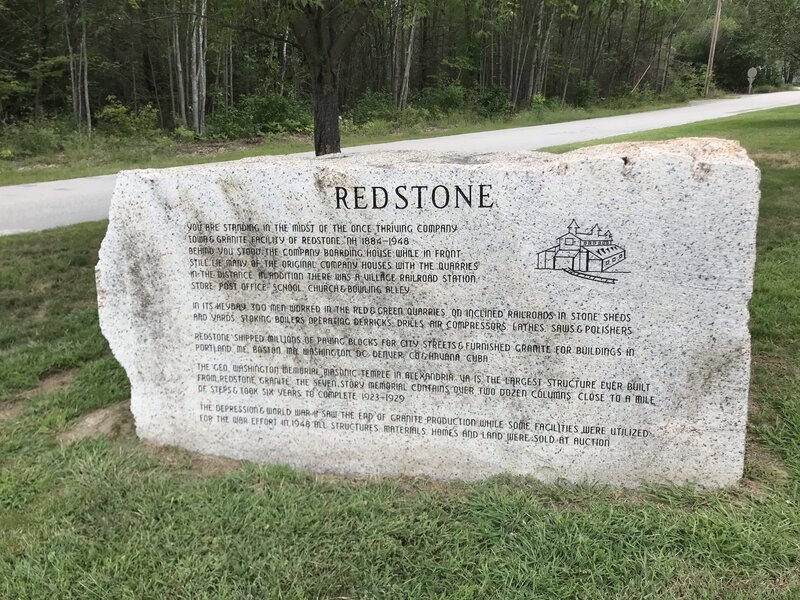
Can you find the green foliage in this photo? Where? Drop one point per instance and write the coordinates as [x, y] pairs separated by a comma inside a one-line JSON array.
[[10, 85], [493, 102], [587, 93], [43, 146], [458, 65], [413, 118], [80, 155], [25, 138], [538, 104], [260, 114], [184, 134], [372, 106], [625, 98], [462, 45], [118, 120], [768, 89], [748, 38], [442, 99], [686, 82]]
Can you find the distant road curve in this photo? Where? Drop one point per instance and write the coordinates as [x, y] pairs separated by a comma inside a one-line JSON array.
[[37, 206]]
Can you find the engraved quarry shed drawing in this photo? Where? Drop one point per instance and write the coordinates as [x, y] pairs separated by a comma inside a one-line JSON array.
[[582, 251]]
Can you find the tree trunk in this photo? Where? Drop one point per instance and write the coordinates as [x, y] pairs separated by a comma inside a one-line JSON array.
[[568, 66], [544, 56], [325, 32], [198, 64], [397, 51], [325, 98], [193, 70], [425, 52], [637, 39], [173, 108], [147, 61], [284, 45], [202, 66], [85, 57], [74, 74], [135, 94], [666, 63], [176, 50], [407, 69], [230, 69], [714, 34], [535, 58], [600, 42], [217, 76], [41, 51], [617, 72]]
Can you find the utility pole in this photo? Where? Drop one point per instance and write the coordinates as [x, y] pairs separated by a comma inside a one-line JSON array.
[[714, 35]]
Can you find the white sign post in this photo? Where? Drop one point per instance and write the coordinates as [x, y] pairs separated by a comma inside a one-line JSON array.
[[751, 76]]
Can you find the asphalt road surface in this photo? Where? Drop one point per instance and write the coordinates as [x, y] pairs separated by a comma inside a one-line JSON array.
[[37, 206]]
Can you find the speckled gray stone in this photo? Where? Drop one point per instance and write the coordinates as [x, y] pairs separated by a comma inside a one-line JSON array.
[[579, 316]]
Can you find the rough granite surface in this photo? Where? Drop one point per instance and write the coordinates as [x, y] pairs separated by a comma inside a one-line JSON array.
[[256, 320]]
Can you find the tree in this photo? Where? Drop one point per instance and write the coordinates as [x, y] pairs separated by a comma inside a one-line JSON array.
[[75, 27], [234, 68], [199, 31], [325, 29]]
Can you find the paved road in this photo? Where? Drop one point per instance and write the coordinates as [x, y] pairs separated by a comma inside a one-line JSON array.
[[37, 206]]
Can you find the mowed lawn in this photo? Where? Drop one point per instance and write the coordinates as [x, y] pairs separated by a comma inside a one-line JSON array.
[[88, 511]]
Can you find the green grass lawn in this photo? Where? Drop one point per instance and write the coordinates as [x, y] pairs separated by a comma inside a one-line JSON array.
[[83, 157], [110, 517]]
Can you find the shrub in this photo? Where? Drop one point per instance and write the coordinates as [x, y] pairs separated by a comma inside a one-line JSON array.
[[377, 127], [685, 81], [627, 98], [30, 139], [538, 104], [372, 106], [767, 88], [413, 117], [183, 133], [587, 93], [442, 98], [493, 102], [118, 120], [256, 115]]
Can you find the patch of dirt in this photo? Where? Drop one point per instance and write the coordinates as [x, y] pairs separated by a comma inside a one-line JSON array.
[[204, 464], [209, 148], [769, 360], [785, 581], [84, 304], [10, 411], [762, 463], [110, 421], [35, 166], [40, 312], [57, 381], [116, 421], [786, 160]]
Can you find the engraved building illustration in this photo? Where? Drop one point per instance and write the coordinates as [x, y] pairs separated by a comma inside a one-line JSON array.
[[578, 251]]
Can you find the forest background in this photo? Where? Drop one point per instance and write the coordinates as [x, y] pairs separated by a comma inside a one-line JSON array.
[[85, 79]]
